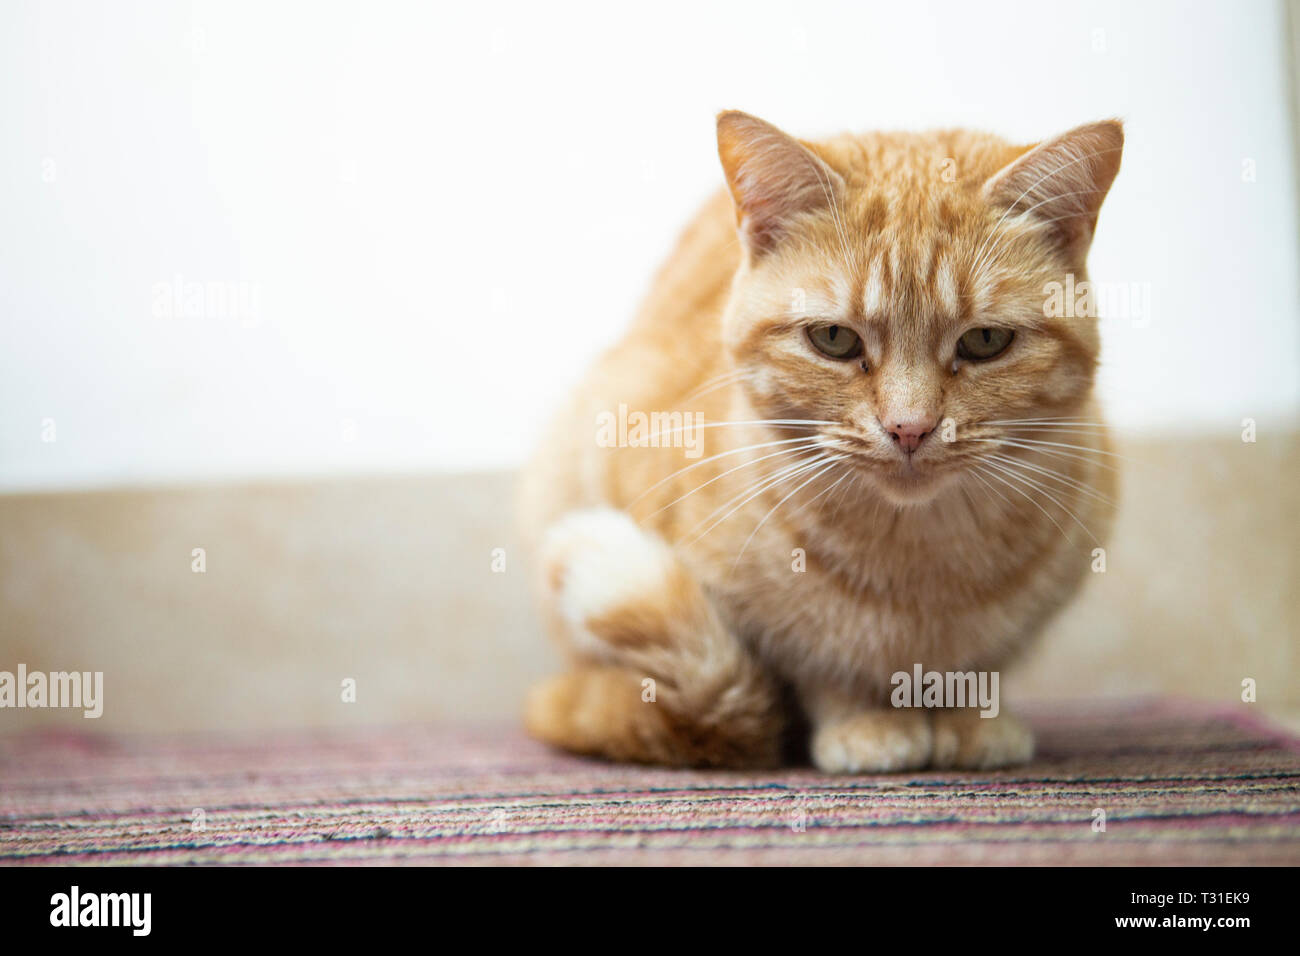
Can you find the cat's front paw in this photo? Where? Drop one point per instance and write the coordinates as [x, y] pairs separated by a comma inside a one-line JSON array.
[[963, 740], [873, 741]]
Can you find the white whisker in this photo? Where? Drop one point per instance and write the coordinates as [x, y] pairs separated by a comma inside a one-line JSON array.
[[803, 485], [712, 385], [975, 473], [808, 440], [791, 472], [772, 422], [1012, 473], [984, 487], [784, 451], [1022, 494], [1062, 420], [1055, 475], [1033, 445], [1048, 430]]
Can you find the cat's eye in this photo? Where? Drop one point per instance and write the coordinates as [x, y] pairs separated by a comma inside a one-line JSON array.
[[835, 341], [979, 344]]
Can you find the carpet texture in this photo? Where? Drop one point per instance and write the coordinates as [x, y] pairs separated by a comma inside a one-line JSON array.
[[1179, 784]]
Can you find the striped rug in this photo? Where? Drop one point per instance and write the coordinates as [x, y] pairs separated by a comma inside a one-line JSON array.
[[1178, 784]]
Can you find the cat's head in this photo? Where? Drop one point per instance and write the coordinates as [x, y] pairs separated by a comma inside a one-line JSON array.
[[899, 287]]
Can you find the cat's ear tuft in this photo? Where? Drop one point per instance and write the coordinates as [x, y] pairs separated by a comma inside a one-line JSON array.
[[1062, 182], [774, 179]]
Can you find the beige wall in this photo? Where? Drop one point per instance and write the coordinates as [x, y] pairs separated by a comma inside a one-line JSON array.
[[389, 581]]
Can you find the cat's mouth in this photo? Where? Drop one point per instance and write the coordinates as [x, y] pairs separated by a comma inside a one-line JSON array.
[[906, 479], [910, 480], [901, 478]]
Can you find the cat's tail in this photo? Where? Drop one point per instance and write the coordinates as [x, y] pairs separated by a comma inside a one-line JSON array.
[[657, 678]]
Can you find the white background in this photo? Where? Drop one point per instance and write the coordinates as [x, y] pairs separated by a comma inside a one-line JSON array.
[[447, 210]]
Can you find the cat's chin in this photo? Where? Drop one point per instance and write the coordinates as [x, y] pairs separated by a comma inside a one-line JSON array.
[[908, 486]]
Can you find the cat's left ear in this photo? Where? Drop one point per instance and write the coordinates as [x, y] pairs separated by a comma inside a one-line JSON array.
[[774, 179], [1063, 182]]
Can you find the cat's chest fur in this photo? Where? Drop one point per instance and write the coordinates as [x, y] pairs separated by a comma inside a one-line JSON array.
[[856, 600]]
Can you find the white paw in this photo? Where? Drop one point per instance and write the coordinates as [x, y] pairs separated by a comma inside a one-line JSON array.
[[877, 741], [966, 741], [598, 560]]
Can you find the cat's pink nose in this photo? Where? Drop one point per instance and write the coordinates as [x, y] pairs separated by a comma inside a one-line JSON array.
[[909, 432]]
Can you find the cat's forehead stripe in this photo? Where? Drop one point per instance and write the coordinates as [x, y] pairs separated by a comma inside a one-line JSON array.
[[830, 297], [842, 292], [945, 285], [873, 289], [982, 298], [932, 267]]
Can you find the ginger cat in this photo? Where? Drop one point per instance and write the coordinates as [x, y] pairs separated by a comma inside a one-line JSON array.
[[900, 460]]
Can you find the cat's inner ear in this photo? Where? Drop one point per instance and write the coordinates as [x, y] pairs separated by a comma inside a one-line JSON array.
[[1062, 182], [774, 179]]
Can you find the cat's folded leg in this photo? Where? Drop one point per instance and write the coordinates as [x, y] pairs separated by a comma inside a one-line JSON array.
[[657, 676], [964, 740], [850, 737]]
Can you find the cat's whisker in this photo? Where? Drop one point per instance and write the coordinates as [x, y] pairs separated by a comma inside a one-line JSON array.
[[848, 473], [715, 383], [1090, 428], [1065, 455], [807, 440], [1029, 433], [1067, 419], [1057, 444], [1030, 444], [746, 464], [984, 486], [771, 477], [1046, 492], [740, 380], [1060, 424], [800, 487], [772, 422], [855, 477], [1022, 494], [828, 489], [785, 474], [715, 388], [975, 473], [706, 385], [1077, 485]]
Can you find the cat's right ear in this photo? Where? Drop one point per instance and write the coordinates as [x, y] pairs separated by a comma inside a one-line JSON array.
[[774, 179]]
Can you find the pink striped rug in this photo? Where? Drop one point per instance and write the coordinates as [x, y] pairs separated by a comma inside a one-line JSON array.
[[1178, 784]]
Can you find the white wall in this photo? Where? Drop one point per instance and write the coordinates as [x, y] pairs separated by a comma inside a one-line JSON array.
[[446, 209]]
